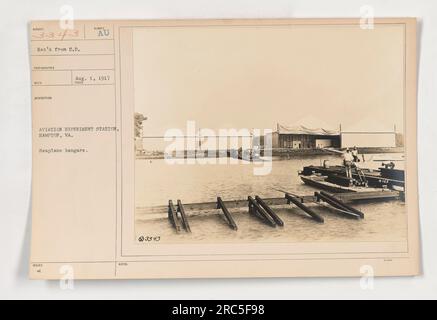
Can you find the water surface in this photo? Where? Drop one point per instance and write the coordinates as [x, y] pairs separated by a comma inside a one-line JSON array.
[[157, 182]]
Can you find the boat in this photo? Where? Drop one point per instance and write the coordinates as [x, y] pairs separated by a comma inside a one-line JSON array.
[[320, 183], [334, 178], [251, 155]]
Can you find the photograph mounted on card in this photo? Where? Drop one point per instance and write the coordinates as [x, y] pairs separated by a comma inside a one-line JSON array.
[[224, 148]]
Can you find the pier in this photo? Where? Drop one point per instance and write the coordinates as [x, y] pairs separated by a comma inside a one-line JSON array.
[[269, 210], [344, 193], [299, 203], [263, 209], [350, 197]]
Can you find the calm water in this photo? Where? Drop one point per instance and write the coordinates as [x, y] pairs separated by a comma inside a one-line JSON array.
[[156, 182]]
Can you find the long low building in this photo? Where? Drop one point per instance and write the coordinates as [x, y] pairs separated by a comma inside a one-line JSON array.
[[301, 137]]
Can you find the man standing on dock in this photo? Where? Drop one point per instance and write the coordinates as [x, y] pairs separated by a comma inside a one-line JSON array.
[[355, 154], [348, 162]]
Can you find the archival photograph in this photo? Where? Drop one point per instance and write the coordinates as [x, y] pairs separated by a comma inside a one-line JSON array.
[[273, 134]]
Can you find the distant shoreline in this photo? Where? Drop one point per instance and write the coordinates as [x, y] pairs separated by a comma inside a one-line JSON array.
[[279, 152]]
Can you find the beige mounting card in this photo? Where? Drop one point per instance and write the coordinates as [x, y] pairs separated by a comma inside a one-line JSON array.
[[224, 148]]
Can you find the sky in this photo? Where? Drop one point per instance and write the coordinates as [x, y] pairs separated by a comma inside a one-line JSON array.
[[255, 77]]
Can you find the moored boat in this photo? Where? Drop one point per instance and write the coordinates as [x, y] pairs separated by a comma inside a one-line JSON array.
[[334, 178]]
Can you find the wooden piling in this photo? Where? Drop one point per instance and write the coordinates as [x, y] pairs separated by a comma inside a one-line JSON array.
[[299, 204], [337, 206], [184, 218], [255, 208], [172, 216], [228, 216], [269, 210], [341, 203]]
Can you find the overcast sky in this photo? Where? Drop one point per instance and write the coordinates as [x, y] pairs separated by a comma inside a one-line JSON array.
[[254, 77]]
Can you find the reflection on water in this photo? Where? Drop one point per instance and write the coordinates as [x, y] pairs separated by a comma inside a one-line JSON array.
[[156, 182]]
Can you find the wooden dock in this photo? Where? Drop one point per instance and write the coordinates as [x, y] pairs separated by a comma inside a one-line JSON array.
[[364, 185], [243, 203], [263, 211]]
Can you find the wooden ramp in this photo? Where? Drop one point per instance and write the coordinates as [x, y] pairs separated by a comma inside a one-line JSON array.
[[262, 208], [184, 218], [336, 205], [299, 203], [269, 211], [173, 217], [221, 205], [346, 197], [256, 210]]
